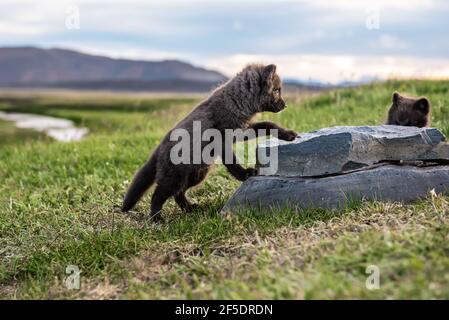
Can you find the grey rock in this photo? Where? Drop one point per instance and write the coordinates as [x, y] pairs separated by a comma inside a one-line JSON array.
[[385, 182], [342, 149]]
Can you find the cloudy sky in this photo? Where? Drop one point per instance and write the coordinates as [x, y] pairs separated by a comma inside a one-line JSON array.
[[328, 41]]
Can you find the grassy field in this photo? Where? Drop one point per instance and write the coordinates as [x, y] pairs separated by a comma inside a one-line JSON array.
[[59, 207], [10, 134]]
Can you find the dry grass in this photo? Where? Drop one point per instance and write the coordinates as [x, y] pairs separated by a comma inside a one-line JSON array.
[[293, 262]]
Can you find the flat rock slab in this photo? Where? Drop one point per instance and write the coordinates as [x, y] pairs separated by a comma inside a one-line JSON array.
[[388, 182], [342, 149]]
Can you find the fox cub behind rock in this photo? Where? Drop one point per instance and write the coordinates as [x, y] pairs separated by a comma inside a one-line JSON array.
[[406, 111]]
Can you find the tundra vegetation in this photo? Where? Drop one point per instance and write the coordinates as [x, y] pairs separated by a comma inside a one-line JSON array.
[[60, 206]]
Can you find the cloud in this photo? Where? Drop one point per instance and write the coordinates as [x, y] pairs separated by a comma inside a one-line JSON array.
[[236, 25], [337, 68], [326, 40], [12, 29], [387, 41], [118, 51], [386, 4]]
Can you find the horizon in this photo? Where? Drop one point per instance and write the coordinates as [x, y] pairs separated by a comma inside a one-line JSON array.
[[288, 79], [342, 41]]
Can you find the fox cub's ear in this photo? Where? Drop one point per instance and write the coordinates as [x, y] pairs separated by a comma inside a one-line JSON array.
[[423, 105], [269, 71], [396, 97]]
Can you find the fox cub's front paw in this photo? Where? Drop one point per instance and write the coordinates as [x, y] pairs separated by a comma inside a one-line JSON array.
[[288, 135]]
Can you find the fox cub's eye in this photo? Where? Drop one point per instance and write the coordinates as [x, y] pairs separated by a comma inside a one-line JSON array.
[[277, 91]]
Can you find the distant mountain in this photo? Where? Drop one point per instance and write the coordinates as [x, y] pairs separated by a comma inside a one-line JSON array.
[[292, 85], [60, 68], [313, 85]]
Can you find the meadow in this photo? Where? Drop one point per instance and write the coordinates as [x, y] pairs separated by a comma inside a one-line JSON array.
[[59, 206]]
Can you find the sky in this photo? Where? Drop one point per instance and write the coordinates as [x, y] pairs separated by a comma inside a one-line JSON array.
[[327, 41]]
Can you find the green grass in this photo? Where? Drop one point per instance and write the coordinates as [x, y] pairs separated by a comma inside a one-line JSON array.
[[104, 116], [10, 134], [59, 206]]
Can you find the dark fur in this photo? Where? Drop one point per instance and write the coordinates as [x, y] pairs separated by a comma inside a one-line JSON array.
[[409, 111], [255, 89]]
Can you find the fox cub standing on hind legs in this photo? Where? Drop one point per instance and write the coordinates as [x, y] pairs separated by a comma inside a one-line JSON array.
[[409, 111], [257, 88]]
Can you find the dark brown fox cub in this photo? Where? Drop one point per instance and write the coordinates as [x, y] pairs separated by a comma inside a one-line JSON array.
[[255, 89], [409, 112]]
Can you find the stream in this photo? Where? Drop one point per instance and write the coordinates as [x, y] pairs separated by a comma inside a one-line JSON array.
[[56, 128]]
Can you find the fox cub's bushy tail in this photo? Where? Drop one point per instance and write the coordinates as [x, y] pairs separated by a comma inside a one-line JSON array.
[[142, 181]]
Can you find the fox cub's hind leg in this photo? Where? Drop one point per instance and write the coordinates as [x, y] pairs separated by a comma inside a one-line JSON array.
[[195, 178], [164, 190], [184, 203]]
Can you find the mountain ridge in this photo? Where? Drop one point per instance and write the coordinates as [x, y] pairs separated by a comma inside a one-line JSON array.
[[64, 68], [61, 68]]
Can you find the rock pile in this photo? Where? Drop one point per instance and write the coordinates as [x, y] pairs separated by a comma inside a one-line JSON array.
[[331, 167]]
